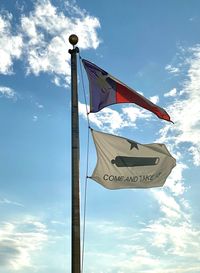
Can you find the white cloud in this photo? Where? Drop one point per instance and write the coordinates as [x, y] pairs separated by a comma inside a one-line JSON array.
[[46, 31], [171, 93], [40, 106], [132, 113], [185, 111], [18, 240], [175, 181], [111, 120], [108, 119], [10, 45], [9, 202], [43, 39], [171, 69], [195, 151], [158, 244], [7, 92], [35, 118], [154, 99], [180, 240], [54, 222], [168, 205], [174, 232]]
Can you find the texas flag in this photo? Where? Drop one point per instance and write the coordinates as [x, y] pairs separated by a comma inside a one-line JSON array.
[[106, 90]]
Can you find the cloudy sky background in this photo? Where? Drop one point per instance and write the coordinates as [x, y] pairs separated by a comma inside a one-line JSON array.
[[152, 46]]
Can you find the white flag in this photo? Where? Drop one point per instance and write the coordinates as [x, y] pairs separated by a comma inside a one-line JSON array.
[[124, 163]]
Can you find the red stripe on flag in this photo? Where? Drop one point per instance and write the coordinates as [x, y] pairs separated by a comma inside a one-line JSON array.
[[124, 94]]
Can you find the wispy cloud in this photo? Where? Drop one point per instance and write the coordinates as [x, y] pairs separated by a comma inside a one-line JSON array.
[[42, 38], [10, 45], [112, 121], [175, 182], [7, 92], [128, 249], [149, 246], [18, 240], [35, 118], [171, 69], [154, 99], [108, 119], [185, 110], [46, 30], [171, 93], [9, 202], [38, 105]]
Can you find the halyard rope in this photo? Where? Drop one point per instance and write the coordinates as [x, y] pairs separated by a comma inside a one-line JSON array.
[[86, 177]]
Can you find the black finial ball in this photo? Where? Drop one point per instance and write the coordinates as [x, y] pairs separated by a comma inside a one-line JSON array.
[[73, 39]]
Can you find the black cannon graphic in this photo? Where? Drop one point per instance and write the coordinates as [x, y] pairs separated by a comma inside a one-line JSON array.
[[126, 161]]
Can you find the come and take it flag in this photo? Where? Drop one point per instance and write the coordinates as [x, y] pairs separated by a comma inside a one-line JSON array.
[[124, 163], [106, 90]]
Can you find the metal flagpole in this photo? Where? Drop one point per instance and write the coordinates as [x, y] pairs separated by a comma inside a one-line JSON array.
[[75, 241]]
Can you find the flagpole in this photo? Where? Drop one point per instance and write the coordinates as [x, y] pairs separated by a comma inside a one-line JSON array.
[[75, 228]]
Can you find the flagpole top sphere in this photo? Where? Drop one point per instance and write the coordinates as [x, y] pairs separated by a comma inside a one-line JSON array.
[[73, 39]]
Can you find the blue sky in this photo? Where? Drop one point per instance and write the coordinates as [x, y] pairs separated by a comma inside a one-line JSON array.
[[152, 46]]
